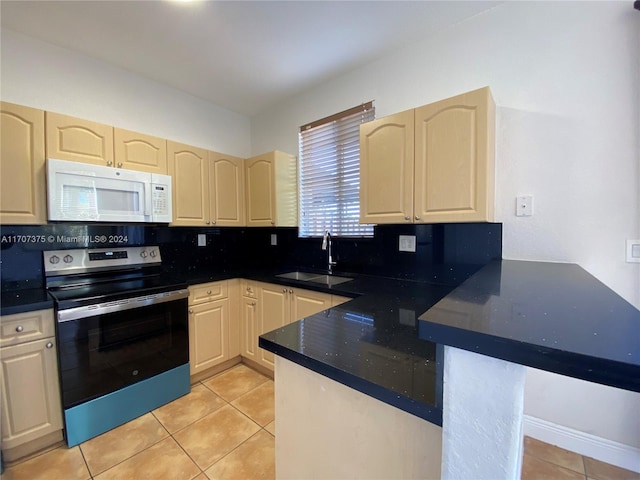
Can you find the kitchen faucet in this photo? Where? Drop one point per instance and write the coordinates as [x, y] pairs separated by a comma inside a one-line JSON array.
[[326, 245]]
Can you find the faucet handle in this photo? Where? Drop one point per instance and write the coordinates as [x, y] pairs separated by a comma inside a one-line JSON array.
[[327, 235]]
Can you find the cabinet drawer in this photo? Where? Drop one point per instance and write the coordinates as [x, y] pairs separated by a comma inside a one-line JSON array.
[[206, 292], [249, 288], [26, 327]]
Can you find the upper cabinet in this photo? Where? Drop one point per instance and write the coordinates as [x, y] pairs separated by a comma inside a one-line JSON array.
[[208, 187], [386, 169], [22, 166], [271, 190], [226, 190], [70, 138], [137, 151], [189, 170], [433, 164]]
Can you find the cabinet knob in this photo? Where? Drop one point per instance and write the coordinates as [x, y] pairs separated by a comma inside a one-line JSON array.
[[253, 303], [49, 345], [109, 163], [272, 222], [208, 292], [213, 221], [119, 164], [19, 328], [291, 291], [191, 310], [407, 217], [417, 217], [284, 290], [208, 222]]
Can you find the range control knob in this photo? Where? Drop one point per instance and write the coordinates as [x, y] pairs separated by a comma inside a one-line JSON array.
[[153, 253], [143, 254], [54, 259], [68, 259]]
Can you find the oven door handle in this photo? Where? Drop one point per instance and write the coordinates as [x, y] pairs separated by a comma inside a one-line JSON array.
[[120, 305]]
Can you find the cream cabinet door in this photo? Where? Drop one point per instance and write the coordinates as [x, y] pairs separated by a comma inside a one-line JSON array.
[[274, 313], [74, 139], [454, 163], [189, 170], [249, 328], [307, 302], [137, 151], [271, 190], [208, 334], [260, 193], [22, 166], [226, 190], [386, 169], [30, 392]]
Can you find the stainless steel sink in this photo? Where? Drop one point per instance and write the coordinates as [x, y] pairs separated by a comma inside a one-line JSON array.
[[329, 279], [302, 276], [315, 278]]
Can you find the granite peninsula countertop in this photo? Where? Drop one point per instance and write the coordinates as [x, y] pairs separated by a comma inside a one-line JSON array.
[[551, 316]]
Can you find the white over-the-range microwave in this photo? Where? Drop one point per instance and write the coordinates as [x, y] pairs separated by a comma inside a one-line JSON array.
[[80, 192]]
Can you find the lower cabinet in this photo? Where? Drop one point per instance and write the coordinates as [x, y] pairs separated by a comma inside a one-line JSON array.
[[266, 307], [31, 408], [213, 331]]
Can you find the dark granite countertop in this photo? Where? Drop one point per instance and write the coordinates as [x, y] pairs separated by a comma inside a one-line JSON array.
[[26, 300], [552, 316], [372, 344]]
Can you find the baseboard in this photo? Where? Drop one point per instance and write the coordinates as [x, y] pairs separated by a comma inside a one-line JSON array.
[[608, 451]]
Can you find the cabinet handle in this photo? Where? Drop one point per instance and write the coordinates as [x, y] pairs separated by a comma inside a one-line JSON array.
[[417, 217], [19, 328], [120, 165], [49, 345], [109, 163], [284, 290], [213, 221], [207, 223], [407, 217], [191, 310], [291, 291], [208, 292]]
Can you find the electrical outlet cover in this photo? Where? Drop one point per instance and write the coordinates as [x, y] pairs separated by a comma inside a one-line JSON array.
[[407, 243]]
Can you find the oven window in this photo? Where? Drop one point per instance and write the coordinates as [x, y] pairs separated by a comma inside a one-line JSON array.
[[104, 353]]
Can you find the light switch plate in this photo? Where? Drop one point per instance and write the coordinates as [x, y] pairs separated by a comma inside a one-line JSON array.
[[407, 243], [202, 240], [633, 251], [274, 239], [524, 205]]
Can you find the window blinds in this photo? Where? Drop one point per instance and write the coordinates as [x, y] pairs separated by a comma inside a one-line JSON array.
[[330, 174]]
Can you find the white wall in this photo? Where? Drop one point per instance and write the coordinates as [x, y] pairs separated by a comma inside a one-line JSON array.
[[566, 80], [41, 75]]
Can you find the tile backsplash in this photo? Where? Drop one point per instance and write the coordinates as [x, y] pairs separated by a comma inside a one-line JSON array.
[[445, 253]]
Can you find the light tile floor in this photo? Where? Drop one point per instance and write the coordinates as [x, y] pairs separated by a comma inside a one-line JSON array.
[[224, 429]]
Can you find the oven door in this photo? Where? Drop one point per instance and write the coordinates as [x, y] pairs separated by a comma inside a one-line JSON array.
[[105, 347]]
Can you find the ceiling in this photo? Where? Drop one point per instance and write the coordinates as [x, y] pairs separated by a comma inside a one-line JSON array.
[[244, 56]]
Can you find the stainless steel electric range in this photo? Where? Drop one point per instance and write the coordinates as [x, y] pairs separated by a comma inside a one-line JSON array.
[[122, 334]]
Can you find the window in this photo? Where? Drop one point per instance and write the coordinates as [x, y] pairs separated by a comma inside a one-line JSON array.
[[330, 174]]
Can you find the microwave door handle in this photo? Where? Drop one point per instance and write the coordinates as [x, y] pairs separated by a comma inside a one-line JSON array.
[[148, 193]]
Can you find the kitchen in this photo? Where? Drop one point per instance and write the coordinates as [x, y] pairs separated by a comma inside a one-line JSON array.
[[536, 91]]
